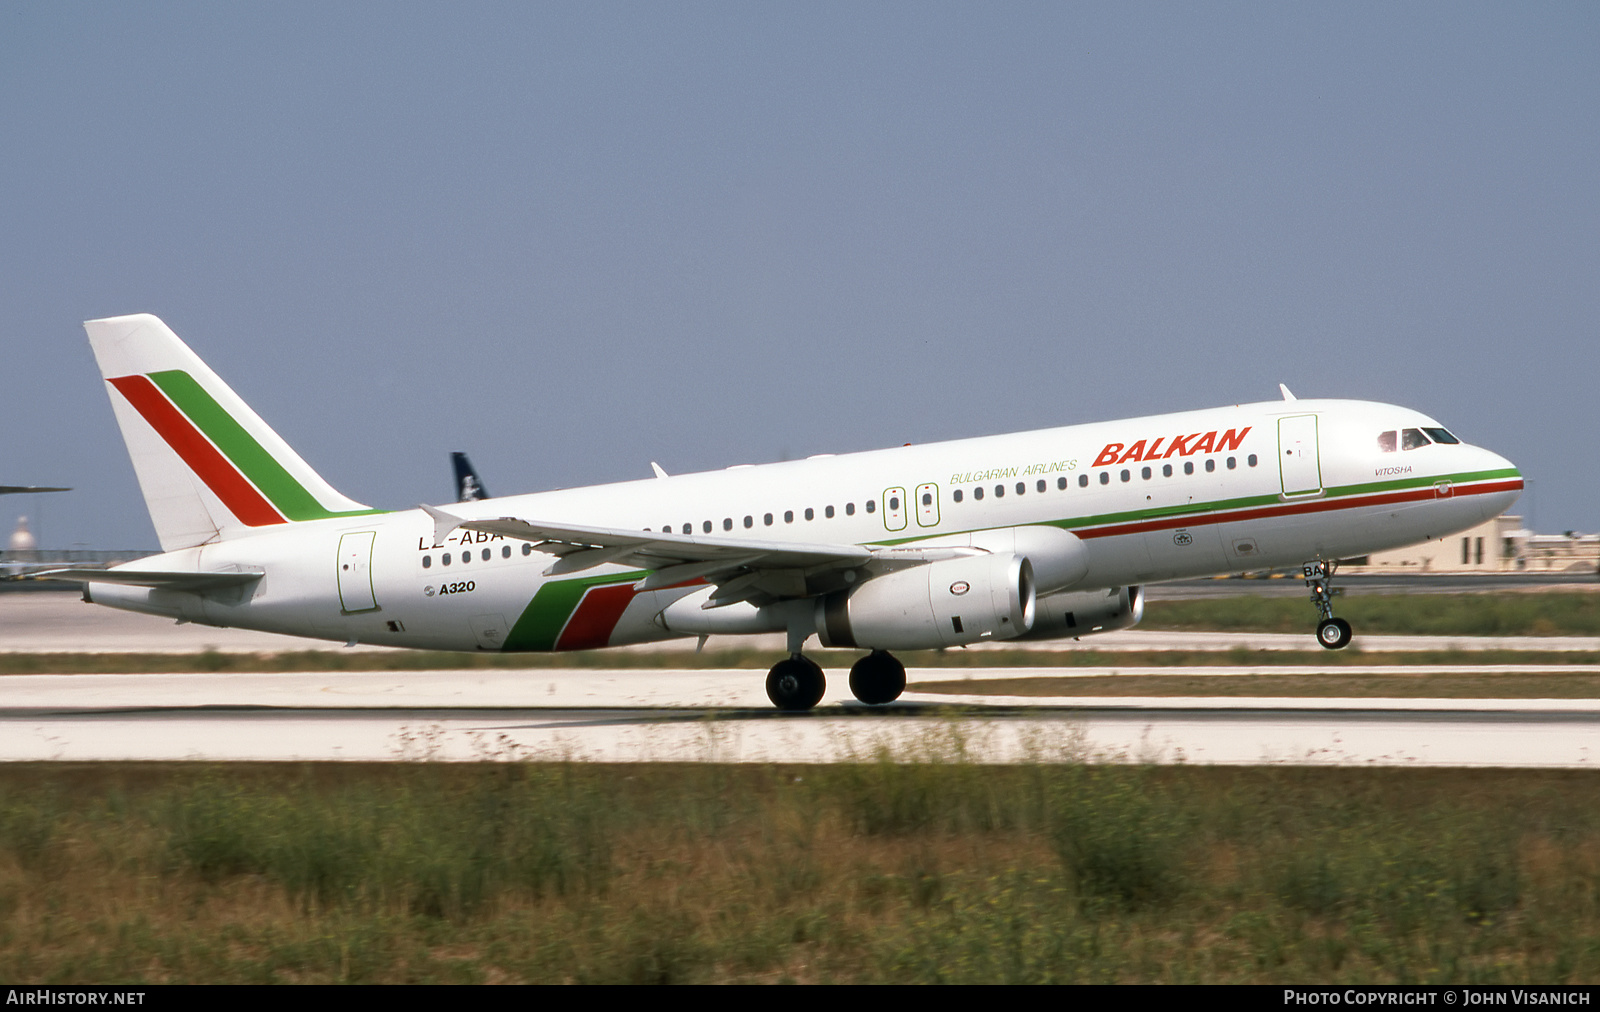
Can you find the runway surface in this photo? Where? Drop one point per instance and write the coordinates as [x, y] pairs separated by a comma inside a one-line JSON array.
[[668, 714], [722, 716]]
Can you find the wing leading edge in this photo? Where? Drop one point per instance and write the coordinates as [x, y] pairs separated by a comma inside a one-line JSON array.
[[752, 570]]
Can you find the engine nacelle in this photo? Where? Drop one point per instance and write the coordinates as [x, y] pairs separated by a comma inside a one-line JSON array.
[[1059, 557], [1083, 612], [942, 604]]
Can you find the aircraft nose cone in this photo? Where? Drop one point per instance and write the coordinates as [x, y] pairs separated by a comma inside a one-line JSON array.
[[1504, 484]]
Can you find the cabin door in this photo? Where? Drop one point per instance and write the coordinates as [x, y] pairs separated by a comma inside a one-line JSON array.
[[355, 572], [1299, 464]]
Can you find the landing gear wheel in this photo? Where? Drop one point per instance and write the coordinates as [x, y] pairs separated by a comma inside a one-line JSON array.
[[1333, 633], [877, 678], [795, 683]]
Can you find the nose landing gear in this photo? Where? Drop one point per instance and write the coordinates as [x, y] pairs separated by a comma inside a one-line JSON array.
[[1332, 633]]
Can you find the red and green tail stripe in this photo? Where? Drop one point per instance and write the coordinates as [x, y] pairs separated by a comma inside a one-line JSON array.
[[237, 469]]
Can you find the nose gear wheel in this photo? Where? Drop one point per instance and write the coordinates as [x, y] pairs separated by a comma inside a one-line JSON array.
[[1332, 633]]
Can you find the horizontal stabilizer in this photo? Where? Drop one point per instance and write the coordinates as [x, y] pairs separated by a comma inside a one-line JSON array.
[[150, 578]]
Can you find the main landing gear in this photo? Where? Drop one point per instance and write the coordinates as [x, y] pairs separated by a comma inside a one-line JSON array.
[[877, 678], [796, 683], [1333, 633]]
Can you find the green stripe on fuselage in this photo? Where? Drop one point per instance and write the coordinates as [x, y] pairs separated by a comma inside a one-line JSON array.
[[241, 448], [1201, 510], [546, 615]]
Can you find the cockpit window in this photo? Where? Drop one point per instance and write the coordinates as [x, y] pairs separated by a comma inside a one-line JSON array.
[[1441, 436], [1386, 441], [1410, 439]]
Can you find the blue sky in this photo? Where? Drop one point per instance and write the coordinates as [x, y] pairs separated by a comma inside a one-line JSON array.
[[574, 238]]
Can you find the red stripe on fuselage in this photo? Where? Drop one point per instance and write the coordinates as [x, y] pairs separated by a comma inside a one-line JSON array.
[[1294, 509], [596, 615], [196, 450]]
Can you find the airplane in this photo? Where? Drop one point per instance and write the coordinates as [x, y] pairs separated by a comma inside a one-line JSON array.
[[1037, 535]]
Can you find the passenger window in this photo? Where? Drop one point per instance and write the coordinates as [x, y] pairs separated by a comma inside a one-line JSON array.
[[894, 503], [1105, 477], [811, 514], [1211, 465], [707, 526], [466, 557], [956, 495], [444, 560], [1039, 486], [849, 509], [688, 528], [1061, 483], [427, 562], [788, 516], [1232, 463], [486, 555], [1386, 441], [1166, 470], [749, 522], [977, 493], [999, 491], [727, 523], [1251, 460], [872, 505], [1127, 475], [1441, 436], [505, 552], [767, 519], [827, 511], [1083, 481], [1022, 487], [1411, 439], [1144, 473], [527, 549]]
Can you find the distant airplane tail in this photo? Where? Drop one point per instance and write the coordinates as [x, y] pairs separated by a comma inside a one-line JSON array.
[[469, 486], [209, 467]]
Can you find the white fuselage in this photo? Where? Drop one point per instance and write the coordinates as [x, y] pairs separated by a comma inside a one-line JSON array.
[[1152, 499]]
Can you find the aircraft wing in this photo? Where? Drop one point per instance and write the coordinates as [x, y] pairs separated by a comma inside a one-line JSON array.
[[742, 568]]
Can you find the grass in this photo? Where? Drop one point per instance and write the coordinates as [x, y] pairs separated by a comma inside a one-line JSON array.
[[936, 870], [1550, 613]]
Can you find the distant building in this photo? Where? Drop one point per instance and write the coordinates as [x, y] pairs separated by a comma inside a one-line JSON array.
[[1500, 545]]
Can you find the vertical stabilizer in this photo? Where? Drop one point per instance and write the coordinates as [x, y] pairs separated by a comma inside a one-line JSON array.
[[209, 467], [469, 486]]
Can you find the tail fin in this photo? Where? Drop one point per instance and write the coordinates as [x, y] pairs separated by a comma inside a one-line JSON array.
[[209, 467], [469, 487]]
